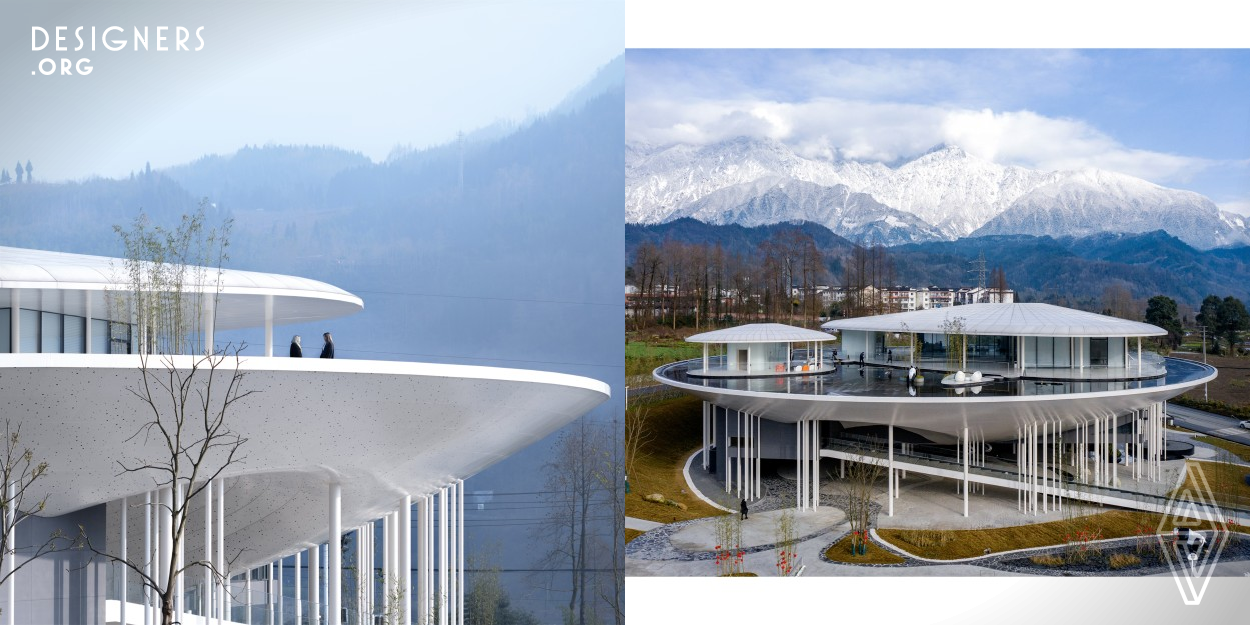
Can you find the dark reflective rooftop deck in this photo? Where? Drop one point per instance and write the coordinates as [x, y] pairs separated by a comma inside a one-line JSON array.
[[878, 381]]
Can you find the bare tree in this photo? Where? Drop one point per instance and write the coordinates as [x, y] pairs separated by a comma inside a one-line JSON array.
[[859, 486], [20, 471], [173, 280], [578, 495], [638, 434], [484, 588], [956, 333]]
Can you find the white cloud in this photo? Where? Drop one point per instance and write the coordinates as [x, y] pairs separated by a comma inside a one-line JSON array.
[[888, 131]]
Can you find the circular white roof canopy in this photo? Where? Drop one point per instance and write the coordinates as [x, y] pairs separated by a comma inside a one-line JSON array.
[[381, 429], [761, 333], [71, 283], [1002, 320]]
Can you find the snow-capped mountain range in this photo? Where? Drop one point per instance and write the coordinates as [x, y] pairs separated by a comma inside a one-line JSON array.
[[943, 194]]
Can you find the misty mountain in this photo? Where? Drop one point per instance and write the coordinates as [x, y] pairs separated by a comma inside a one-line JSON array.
[[266, 178]]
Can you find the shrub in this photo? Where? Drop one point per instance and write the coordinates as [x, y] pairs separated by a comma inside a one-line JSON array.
[[1124, 560], [1047, 560]]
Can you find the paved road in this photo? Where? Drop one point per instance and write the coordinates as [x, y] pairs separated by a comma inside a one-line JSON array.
[[1207, 423]]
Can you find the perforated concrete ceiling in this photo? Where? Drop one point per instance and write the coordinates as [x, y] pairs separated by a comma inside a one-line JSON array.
[[380, 429]]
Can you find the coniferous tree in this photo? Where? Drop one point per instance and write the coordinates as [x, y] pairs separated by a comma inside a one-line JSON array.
[[4, 177], [18, 169], [1208, 315], [1161, 311], [1231, 320], [28, 170]]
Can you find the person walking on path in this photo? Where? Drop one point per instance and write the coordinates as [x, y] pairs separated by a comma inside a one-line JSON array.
[[744, 509], [296, 350], [889, 357], [328, 350]]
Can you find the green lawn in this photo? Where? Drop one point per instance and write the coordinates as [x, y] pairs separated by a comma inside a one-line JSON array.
[[641, 357]]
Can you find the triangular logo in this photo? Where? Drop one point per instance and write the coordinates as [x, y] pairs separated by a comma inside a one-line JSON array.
[[1193, 548]]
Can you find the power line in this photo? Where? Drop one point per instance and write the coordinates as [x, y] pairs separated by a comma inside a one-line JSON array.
[[479, 358], [489, 298]]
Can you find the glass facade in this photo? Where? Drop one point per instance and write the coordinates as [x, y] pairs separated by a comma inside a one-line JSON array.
[[54, 333], [30, 331]]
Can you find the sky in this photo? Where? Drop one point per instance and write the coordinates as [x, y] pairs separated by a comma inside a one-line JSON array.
[[1178, 118], [365, 76]]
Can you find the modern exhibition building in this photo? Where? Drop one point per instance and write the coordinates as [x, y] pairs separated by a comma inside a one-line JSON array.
[[1040, 399], [375, 450]]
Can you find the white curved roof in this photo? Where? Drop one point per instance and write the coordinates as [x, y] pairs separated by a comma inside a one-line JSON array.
[[1003, 320], [761, 333], [69, 283], [381, 429]]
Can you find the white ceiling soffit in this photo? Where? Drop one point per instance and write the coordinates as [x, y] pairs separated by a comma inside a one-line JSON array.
[[380, 429]]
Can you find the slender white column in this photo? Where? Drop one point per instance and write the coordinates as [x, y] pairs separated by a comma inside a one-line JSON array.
[[738, 459], [206, 597], [314, 585], [460, 558], [405, 558], [147, 555], [815, 464], [1045, 475], [247, 597], [387, 574], [1020, 474], [278, 591], [299, 573], [749, 461], [15, 344], [965, 467], [125, 556], [798, 464], [442, 556], [334, 557], [223, 596], [269, 577], [1139, 356], [422, 608], [269, 325], [452, 527], [889, 482], [180, 600]]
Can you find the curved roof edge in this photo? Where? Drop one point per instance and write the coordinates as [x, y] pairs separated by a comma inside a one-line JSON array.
[[1004, 320], [240, 293], [760, 333]]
